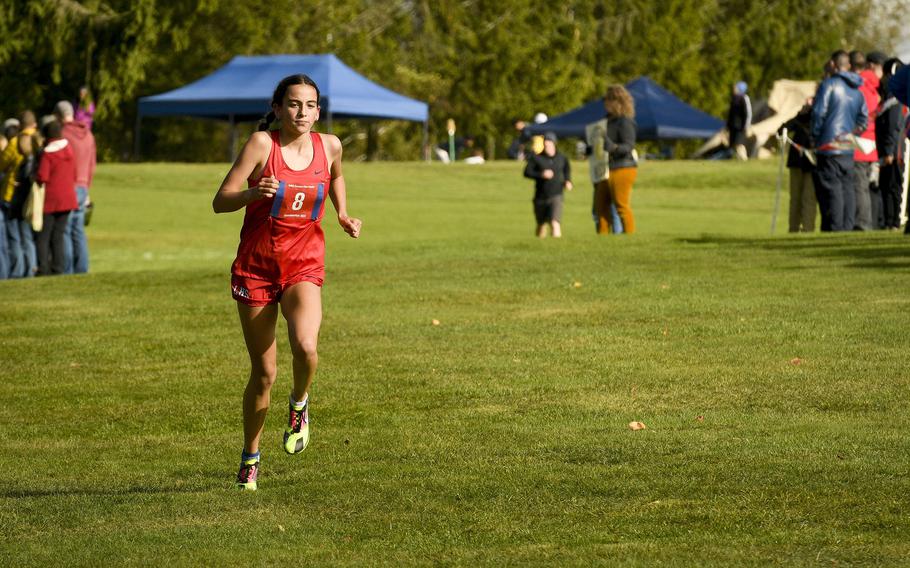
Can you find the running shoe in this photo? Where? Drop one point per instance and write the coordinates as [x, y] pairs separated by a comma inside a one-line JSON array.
[[297, 434], [246, 477]]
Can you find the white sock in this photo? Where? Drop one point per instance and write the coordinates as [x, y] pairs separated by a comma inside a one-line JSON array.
[[301, 404]]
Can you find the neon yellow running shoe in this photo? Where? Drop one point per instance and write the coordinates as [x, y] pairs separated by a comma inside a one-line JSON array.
[[297, 434], [246, 477]]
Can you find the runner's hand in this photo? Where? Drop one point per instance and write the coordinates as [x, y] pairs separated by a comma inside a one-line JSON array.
[[547, 174], [267, 187], [350, 225], [569, 185]]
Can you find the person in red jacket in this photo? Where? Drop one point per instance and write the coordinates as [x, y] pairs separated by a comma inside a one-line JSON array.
[[863, 162], [57, 171], [79, 135]]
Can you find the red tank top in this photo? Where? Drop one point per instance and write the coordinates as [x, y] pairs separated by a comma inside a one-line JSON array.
[[281, 238]]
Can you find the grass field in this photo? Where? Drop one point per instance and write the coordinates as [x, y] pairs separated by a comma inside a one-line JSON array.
[[771, 372]]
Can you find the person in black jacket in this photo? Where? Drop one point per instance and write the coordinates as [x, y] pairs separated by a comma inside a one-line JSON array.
[[551, 174], [889, 122], [739, 120], [803, 204], [623, 162]]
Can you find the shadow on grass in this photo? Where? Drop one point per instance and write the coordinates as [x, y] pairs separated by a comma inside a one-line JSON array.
[[96, 492], [877, 251]]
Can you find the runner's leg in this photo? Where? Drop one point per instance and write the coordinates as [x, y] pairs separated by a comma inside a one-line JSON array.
[[258, 325], [301, 306]]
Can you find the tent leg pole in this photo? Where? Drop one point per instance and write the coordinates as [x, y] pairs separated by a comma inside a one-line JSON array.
[[232, 139], [424, 148], [136, 132]]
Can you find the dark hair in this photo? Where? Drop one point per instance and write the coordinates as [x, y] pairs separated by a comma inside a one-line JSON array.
[[889, 68], [876, 57], [281, 90], [53, 129], [857, 60], [840, 60]]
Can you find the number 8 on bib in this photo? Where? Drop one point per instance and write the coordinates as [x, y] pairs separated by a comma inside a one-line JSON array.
[[299, 201]]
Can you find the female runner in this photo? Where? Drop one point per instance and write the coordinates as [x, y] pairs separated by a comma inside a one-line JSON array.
[[288, 169]]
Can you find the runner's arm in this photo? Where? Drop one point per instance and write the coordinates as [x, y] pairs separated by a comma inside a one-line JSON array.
[[233, 194], [338, 191]]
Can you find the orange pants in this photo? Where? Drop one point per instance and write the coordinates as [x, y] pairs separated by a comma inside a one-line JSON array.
[[616, 189]]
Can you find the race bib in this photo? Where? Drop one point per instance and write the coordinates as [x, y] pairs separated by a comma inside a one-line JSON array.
[[298, 201]]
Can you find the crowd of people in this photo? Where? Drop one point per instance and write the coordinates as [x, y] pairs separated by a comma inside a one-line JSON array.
[[847, 147], [46, 170]]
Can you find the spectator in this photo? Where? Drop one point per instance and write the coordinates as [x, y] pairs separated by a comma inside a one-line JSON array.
[[889, 122], [85, 107], [82, 142], [899, 85], [20, 237], [863, 162], [739, 120], [838, 112], [516, 149], [620, 145], [30, 128], [551, 174], [462, 146], [57, 171], [10, 159], [803, 204], [599, 167]]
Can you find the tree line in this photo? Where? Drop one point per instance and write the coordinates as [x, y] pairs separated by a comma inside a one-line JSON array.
[[482, 62]]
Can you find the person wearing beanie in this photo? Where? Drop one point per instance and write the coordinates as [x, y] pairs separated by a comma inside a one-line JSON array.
[[79, 135], [739, 120], [889, 123]]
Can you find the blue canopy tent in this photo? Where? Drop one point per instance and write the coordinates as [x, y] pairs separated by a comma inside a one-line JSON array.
[[242, 90], [660, 115]]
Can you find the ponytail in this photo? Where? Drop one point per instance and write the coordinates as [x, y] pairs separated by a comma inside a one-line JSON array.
[[266, 122]]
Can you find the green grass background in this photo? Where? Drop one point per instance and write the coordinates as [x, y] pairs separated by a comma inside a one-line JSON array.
[[498, 437]]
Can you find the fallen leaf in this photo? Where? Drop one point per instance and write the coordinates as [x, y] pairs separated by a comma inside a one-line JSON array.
[[576, 284], [664, 286], [637, 426], [75, 365], [346, 441], [665, 331], [699, 418], [280, 528], [796, 361], [435, 322]]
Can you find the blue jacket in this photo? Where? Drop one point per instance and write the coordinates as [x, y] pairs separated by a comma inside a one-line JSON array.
[[839, 109], [899, 84]]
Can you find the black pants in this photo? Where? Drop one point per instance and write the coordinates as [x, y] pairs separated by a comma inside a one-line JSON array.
[[863, 211], [834, 189], [889, 183], [51, 259]]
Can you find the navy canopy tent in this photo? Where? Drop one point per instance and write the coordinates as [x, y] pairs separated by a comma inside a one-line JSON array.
[[242, 91], [659, 114]]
